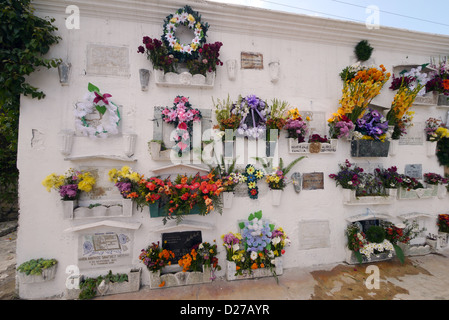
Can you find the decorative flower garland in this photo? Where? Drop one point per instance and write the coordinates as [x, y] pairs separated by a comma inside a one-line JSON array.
[[182, 115], [253, 111], [252, 175], [191, 19], [109, 114]]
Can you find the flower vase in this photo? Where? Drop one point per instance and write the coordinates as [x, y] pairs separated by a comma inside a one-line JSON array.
[[276, 195], [227, 199], [210, 77], [68, 206], [431, 148], [394, 144], [159, 75], [442, 191]]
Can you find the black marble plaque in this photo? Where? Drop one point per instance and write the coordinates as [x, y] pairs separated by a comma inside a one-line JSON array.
[[369, 148], [181, 243]]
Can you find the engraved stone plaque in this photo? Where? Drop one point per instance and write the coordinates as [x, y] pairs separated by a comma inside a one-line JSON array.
[[314, 234], [415, 135], [107, 60], [313, 181], [104, 249], [413, 170], [251, 60]]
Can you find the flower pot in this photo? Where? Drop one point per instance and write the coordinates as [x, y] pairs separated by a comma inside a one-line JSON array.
[[179, 278], [383, 256], [210, 78], [276, 197], [227, 199], [231, 270], [185, 78], [443, 100], [442, 240], [394, 144], [431, 148], [369, 148], [420, 193], [159, 75], [350, 198], [442, 191], [46, 275], [68, 207], [198, 79]]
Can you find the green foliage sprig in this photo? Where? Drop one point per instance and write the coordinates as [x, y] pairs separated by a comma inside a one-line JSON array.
[[35, 266]]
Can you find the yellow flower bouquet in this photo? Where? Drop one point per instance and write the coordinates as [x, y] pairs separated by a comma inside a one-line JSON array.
[[71, 184], [358, 92]]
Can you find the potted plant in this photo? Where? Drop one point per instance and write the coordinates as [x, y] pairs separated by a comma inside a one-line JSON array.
[[69, 186], [443, 229], [276, 121], [37, 270], [434, 130], [154, 257], [378, 243], [127, 182], [370, 135], [231, 178], [361, 188], [439, 81], [255, 252], [276, 179], [297, 130], [412, 188], [438, 181]]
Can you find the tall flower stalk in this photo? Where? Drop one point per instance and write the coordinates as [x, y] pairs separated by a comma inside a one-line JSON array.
[[359, 91]]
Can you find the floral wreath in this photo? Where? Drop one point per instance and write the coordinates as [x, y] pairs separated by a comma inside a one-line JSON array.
[[182, 115], [252, 175], [186, 17], [109, 114], [253, 111]]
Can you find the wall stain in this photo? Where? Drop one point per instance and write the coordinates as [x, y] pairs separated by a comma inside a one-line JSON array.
[[347, 282]]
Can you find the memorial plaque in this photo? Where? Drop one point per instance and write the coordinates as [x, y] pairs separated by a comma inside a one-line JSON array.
[[415, 135], [181, 243], [251, 60], [104, 249], [314, 234], [313, 181], [107, 60], [413, 170]]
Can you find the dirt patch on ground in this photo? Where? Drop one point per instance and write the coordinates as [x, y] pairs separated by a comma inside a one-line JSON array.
[[348, 282]]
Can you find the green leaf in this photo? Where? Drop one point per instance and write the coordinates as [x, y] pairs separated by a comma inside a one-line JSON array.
[[258, 214], [271, 227], [251, 217], [92, 88], [242, 225], [101, 109], [399, 253]]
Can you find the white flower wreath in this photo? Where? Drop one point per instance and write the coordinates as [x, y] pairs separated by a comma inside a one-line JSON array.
[[109, 114], [186, 17]]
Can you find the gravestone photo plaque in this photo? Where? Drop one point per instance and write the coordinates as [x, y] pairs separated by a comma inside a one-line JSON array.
[[181, 243], [251, 60]]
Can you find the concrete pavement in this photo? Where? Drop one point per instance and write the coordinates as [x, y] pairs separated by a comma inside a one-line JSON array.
[[420, 278]]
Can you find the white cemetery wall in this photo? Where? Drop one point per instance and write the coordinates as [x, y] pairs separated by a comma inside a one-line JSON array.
[[311, 53]]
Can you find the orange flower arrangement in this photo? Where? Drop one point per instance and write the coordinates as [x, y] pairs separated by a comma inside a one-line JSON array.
[[359, 91]]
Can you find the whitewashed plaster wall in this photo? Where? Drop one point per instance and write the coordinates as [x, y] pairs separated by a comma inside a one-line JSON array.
[[311, 52]]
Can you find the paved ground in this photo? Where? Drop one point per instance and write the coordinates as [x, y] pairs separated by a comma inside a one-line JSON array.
[[420, 278]]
